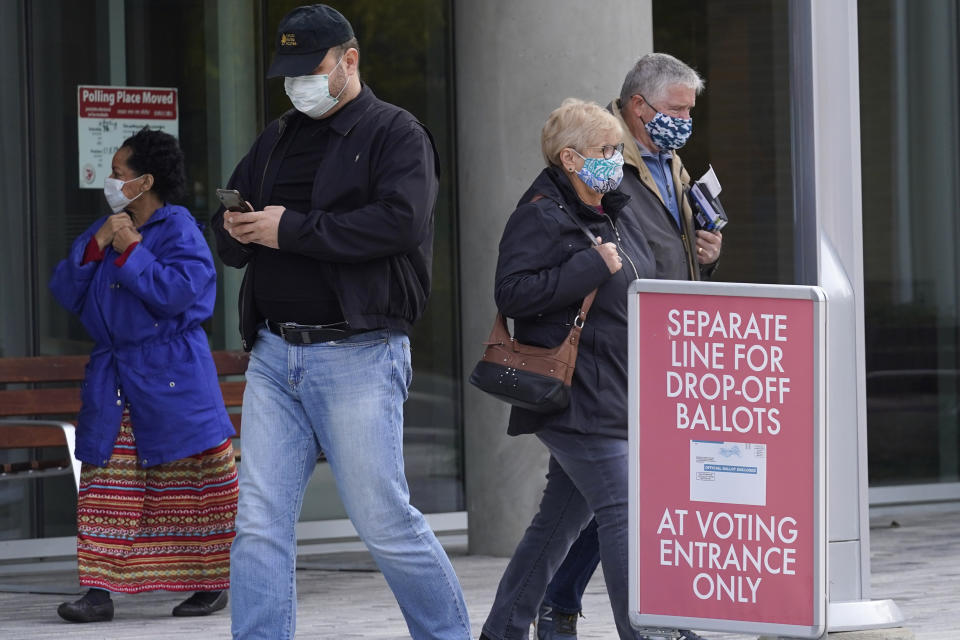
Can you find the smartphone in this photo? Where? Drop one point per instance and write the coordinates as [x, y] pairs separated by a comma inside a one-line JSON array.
[[232, 200]]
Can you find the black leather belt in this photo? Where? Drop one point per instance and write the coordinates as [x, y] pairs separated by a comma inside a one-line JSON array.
[[294, 333]]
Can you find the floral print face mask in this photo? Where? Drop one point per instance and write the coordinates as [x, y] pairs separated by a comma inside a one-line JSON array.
[[602, 174]]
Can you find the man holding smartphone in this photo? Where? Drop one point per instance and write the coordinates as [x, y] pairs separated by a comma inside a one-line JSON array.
[[338, 258]]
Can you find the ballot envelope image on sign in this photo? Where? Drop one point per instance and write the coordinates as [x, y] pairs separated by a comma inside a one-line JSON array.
[[728, 472]]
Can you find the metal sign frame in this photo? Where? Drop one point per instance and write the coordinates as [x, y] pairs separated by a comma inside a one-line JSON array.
[[652, 622]]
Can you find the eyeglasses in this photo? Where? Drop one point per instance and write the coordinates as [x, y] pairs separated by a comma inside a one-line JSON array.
[[676, 111], [608, 149]]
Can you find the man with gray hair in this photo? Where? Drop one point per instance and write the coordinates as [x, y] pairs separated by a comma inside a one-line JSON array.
[[654, 107]]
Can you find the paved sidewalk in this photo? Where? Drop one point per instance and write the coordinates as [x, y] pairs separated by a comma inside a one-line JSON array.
[[916, 562]]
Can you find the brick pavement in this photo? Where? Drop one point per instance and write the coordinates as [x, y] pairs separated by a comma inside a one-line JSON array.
[[917, 563]]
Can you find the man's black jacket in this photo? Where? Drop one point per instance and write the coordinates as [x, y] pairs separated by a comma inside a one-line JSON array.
[[371, 225]]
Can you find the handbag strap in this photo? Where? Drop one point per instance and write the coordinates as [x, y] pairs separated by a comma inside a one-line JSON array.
[[584, 308], [588, 301], [577, 221]]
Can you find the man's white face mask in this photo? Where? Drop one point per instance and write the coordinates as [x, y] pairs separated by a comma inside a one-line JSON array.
[[310, 95]]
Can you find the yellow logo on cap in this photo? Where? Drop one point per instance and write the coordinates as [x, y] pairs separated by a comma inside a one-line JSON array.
[[288, 40]]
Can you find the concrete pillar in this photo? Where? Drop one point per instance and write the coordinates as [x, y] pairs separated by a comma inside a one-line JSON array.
[[515, 62], [231, 121], [829, 253], [16, 217]]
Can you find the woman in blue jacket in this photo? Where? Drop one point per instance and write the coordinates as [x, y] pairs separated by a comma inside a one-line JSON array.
[[158, 484]]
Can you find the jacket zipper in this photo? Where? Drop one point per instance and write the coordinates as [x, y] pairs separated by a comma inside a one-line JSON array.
[[266, 166], [692, 266], [244, 301]]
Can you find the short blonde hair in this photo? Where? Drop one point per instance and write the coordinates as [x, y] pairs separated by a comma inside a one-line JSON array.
[[576, 124]]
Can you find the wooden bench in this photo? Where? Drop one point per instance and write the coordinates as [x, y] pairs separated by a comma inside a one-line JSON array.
[[43, 414]]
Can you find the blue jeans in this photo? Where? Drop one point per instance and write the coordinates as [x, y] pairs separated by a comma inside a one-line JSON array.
[[565, 591], [587, 476], [346, 398]]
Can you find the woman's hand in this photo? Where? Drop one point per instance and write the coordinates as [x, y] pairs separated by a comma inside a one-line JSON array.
[[611, 257], [109, 228], [124, 237]]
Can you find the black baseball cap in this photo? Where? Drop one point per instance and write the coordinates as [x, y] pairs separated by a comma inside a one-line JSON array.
[[304, 37]]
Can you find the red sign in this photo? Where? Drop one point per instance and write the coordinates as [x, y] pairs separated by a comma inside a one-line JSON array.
[[727, 472], [126, 102]]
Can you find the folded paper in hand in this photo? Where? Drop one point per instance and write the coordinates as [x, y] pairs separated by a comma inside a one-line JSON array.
[[708, 211]]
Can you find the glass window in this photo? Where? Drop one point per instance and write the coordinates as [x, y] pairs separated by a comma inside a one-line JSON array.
[[214, 54], [131, 46], [741, 124], [910, 136], [406, 59], [54, 209], [62, 209], [124, 44], [14, 256], [15, 513]]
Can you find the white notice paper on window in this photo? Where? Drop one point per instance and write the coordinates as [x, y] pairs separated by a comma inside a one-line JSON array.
[[728, 472]]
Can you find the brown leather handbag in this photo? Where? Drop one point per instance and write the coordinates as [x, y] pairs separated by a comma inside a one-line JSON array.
[[534, 378]]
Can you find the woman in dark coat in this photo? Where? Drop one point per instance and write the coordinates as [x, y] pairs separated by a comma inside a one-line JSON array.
[[546, 266], [158, 484]]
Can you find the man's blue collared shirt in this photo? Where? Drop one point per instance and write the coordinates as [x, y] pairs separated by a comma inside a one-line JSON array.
[[659, 166]]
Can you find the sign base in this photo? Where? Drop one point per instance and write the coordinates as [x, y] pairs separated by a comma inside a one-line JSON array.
[[860, 615]]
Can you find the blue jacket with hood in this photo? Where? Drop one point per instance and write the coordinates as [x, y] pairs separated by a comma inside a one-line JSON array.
[[150, 350]]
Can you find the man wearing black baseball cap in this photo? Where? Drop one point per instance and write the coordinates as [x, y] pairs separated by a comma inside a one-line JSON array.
[[337, 252], [304, 37]]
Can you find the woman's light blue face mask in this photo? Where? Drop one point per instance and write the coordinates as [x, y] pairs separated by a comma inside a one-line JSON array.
[[602, 174]]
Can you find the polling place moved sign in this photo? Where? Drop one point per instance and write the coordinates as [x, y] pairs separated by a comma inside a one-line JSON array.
[[727, 460], [106, 116]]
